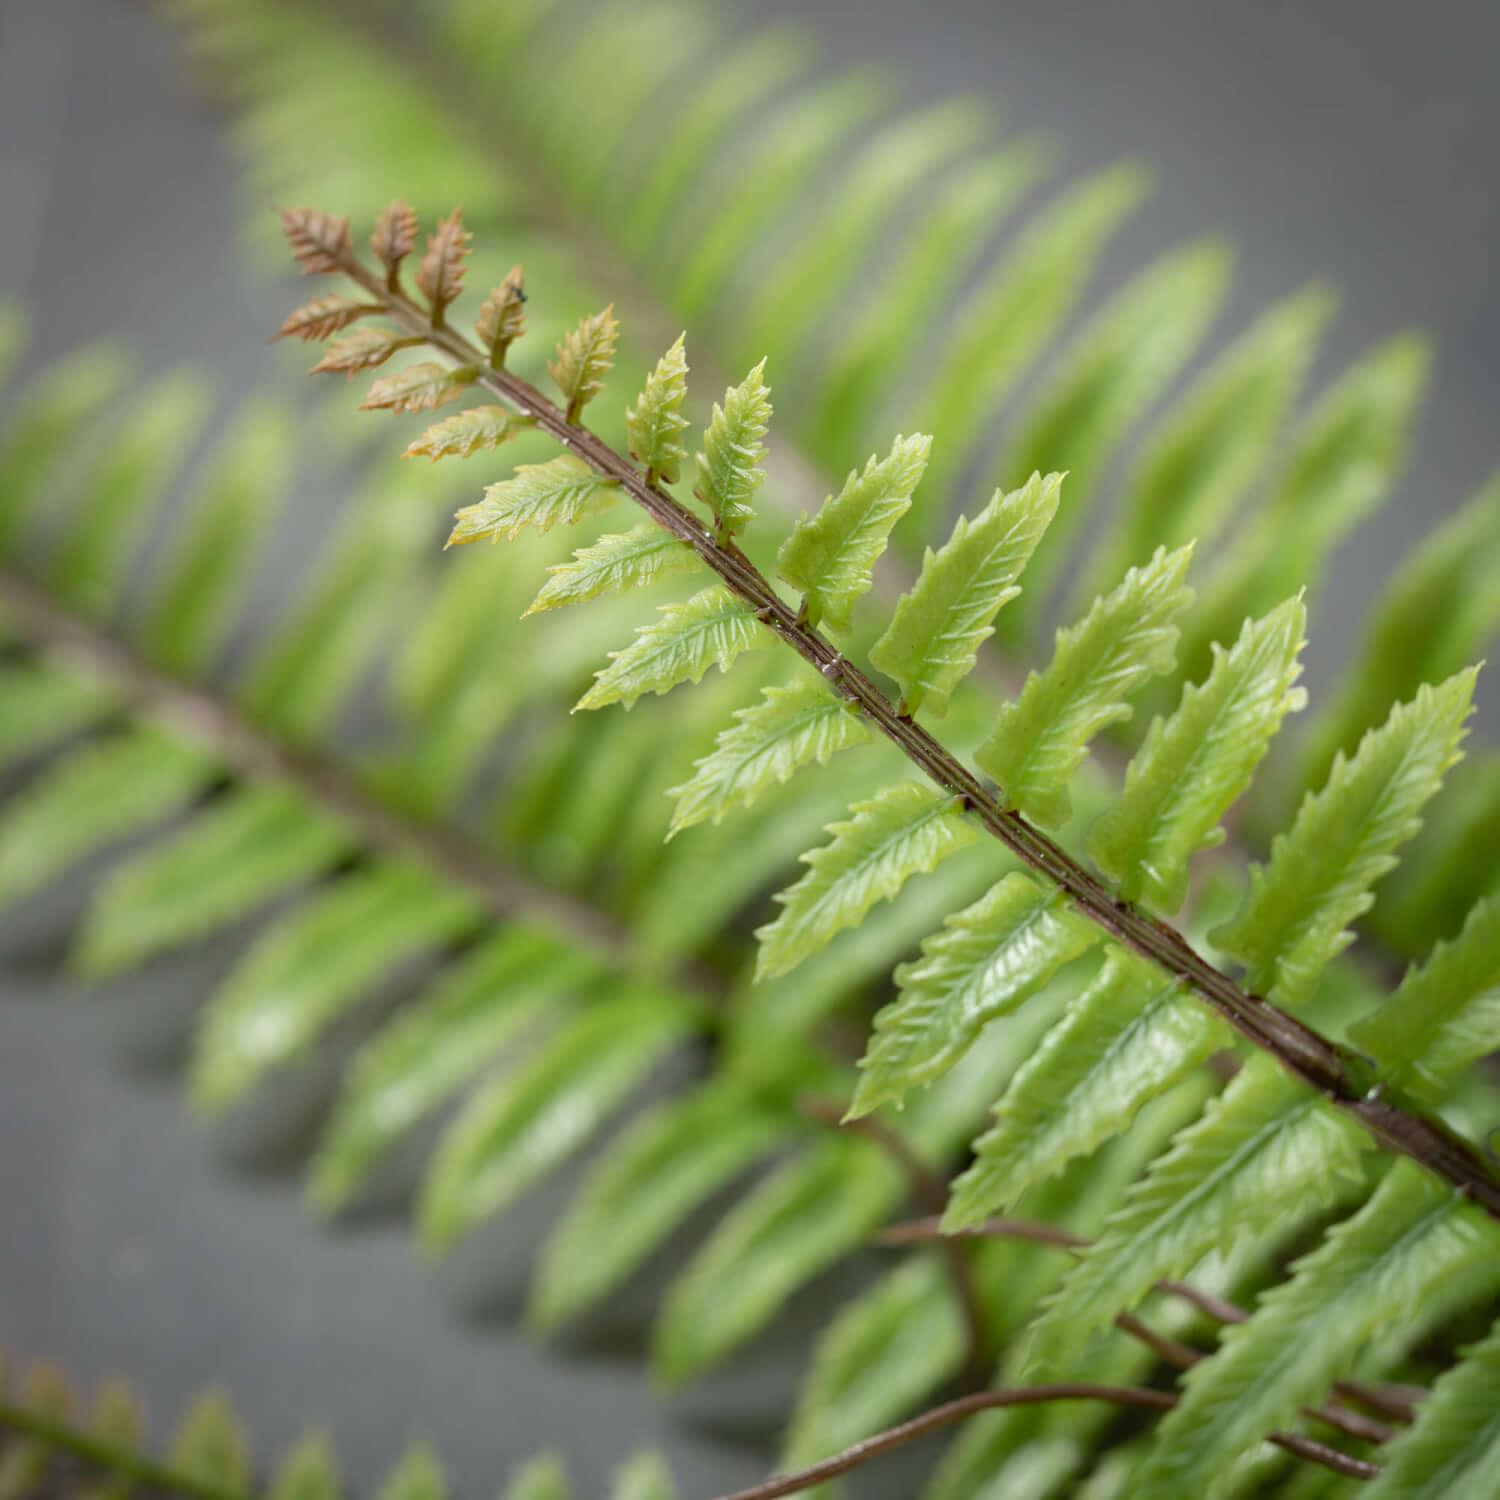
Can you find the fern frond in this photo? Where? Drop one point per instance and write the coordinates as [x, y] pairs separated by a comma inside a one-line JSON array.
[[502, 319], [1125, 1040], [419, 387], [933, 640], [584, 358], [1121, 362], [465, 434], [1294, 919], [308, 970], [790, 727], [323, 317], [498, 992], [1411, 1237], [1195, 764], [908, 829], [364, 349], [1444, 1015], [830, 556], [729, 469], [560, 492], [440, 277], [614, 564], [986, 962], [1452, 1451], [395, 235], [711, 629], [661, 1169], [1127, 637], [1263, 1146], [656, 423], [521, 1125]]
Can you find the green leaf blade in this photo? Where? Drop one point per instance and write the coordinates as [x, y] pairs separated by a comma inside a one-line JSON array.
[[560, 492], [1127, 637], [615, 564], [792, 726], [829, 557], [655, 424], [986, 962], [905, 830], [1193, 766], [711, 629], [939, 625], [729, 472], [1294, 919]]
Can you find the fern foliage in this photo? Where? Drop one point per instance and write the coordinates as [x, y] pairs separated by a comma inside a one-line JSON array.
[[1115, 1051], [1009, 997]]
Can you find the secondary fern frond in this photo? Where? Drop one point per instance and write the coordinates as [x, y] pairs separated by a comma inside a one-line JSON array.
[[656, 423], [558, 493], [729, 467]]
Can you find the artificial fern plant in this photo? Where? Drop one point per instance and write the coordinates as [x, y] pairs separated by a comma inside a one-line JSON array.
[[577, 956]]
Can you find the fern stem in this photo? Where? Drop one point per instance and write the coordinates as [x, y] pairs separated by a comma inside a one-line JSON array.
[[1344, 1078], [1396, 1403], [931, 1190], [251, 751], [1130, 1396], [105, 1455]]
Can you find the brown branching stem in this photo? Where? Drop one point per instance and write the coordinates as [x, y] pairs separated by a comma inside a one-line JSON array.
[[1397, 1404], [931, 1191], [1130, 1396], [1340, 1074]]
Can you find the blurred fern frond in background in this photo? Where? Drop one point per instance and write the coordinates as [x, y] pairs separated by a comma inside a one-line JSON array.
[[504, 859]]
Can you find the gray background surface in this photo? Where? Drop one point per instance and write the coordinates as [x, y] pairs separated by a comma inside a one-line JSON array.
[[1347, 140]]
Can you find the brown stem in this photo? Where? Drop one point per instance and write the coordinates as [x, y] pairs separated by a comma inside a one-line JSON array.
[[1340, 1074], [1398, 1403], [251, 751], [1137, 1397], [931, 1191]]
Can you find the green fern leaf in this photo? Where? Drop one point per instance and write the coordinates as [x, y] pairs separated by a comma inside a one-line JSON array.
[[209, 1445], [1294, 919], [1121, 362], [933, 639], [433, 1048], [524, 1123], [1414, 1236], [801, 1219], [251, 845], [502, 319], [417, 1475], [1195, 764], [1006, 322], [660, 1170], [558, 493], [309, 969], [1444, 1015], [212, 563], [790, 727], [540, 1478], [99, 794], [710, 629], [584, 358], [829, 557], [40, 707], [1435, 615], [1208, 450], [643, 1476], [1128, 636], [987, 961], [729, 468], [879, 1357], [1267, 1143], [655, 424], [1125, 1040], [468, 432], [1452, 1451], [418, 387], [92, 562], [615, 564], [908, 829], [308, 1472], [46, 424]]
